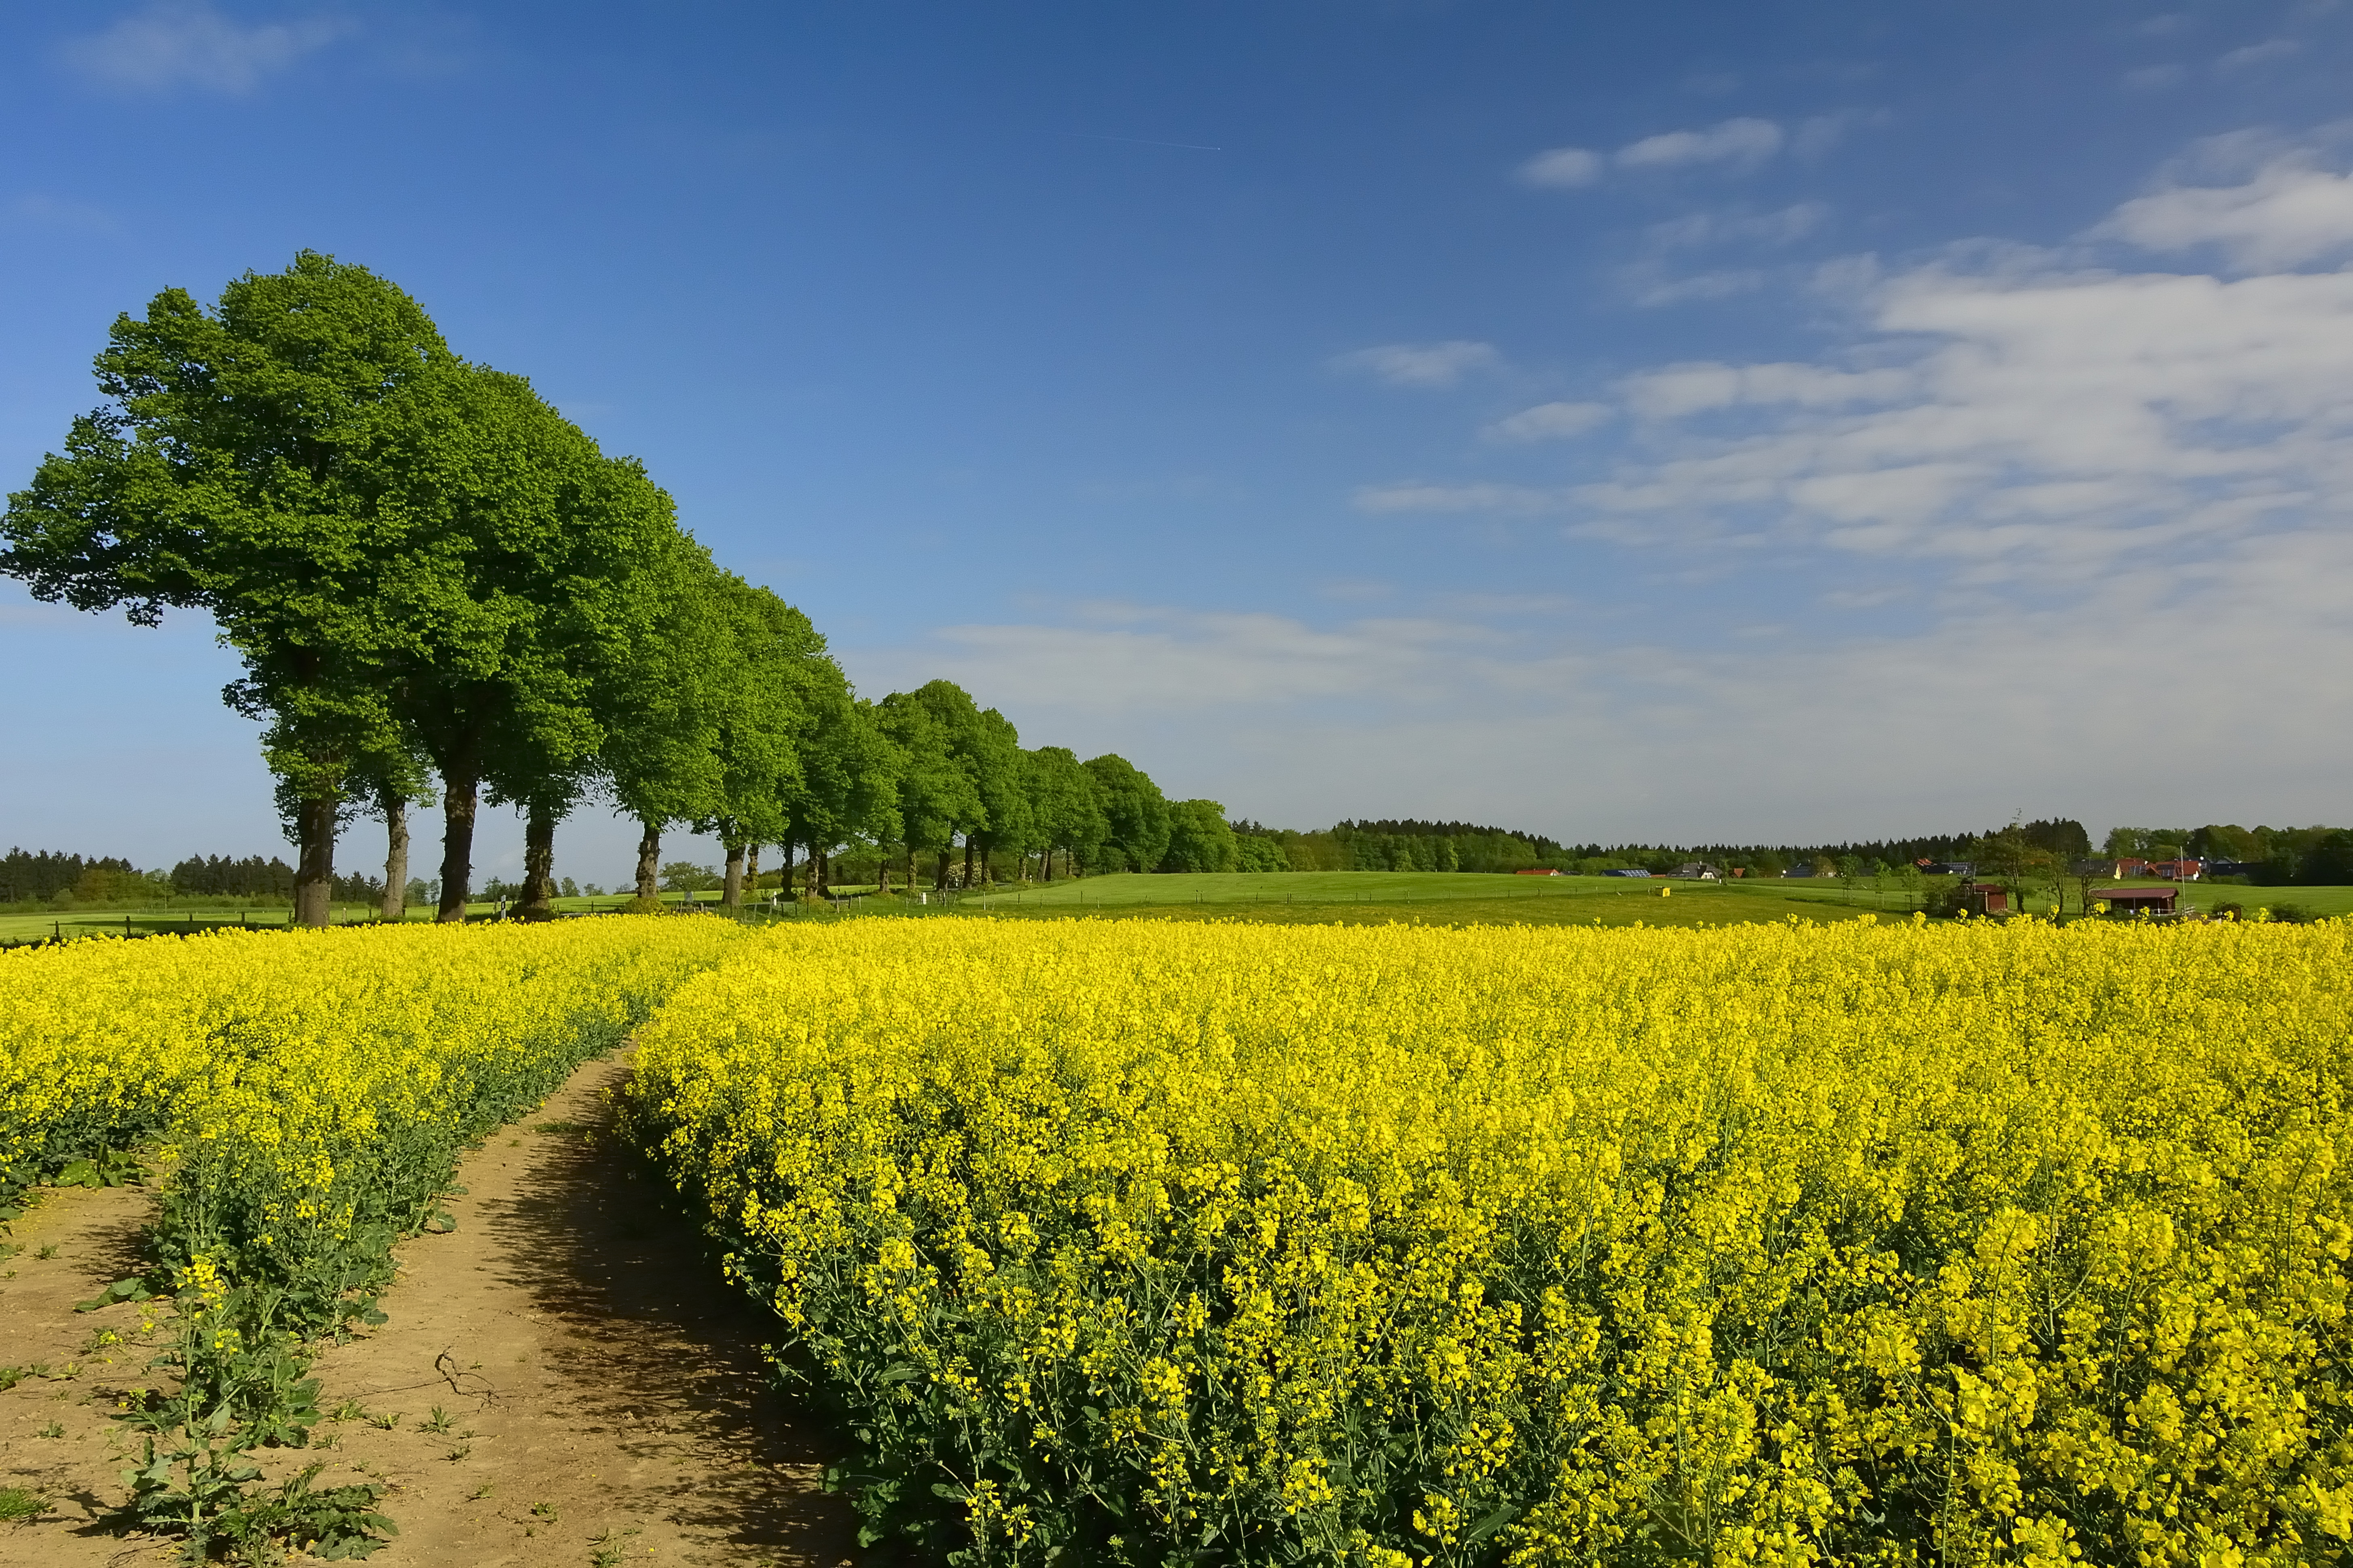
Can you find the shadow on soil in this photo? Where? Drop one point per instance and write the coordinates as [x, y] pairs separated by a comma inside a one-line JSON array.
[[649, 1320]]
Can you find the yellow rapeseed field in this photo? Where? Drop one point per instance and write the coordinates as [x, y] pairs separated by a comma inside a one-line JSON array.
[[307, 1095], [296, 1070], [1890, 1244]]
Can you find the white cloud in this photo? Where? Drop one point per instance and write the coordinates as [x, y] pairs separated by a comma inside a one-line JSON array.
[[1779, 227], [1739, 144], [1794, 733], [1551, 422], [2288, 214], [176, 43], [1567, 167], [2010, 414], [1422, 364], [1743, 143], [1676, 390], [2258, 54], [2049, 424]]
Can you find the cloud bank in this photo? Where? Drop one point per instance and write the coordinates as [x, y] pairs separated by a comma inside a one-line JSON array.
[[187, 43]]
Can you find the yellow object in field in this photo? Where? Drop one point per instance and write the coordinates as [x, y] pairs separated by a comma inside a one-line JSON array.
[[1666, 892], [1788, 1244], [295, 1074]]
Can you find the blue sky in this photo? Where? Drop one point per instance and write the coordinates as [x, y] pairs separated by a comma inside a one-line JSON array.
[[1671, 421]]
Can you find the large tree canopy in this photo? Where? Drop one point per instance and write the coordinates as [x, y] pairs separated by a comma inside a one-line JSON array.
[[547, 575], [1135, 812], [274, 462]]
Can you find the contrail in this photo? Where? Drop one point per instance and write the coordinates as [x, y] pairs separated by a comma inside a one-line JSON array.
[[1139, 141]]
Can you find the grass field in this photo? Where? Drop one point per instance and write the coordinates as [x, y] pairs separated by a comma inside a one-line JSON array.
[[1351, 898]]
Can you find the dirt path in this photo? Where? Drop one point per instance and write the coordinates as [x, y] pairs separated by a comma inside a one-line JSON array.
[[66, 1368], [602, 1394]]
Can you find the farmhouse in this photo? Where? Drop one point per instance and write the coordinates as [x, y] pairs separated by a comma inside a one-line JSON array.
[[2137, 901], [1539, 871]]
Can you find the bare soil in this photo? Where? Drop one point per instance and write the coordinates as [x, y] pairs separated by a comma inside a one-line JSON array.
[[600, 1394], [56, 1437]]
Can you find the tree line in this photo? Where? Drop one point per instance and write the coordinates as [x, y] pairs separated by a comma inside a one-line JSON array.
[[50, 877], [440, 591]]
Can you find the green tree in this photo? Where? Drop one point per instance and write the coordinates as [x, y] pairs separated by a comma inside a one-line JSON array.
[[1200, 839], [1133, 809], [847, 792], [559, 555], [936, 795], [659, 704], [1064, 807], [984, 748], [2330, 862], [1001, 771], [1259, 852], [275, 462], [766, 693]]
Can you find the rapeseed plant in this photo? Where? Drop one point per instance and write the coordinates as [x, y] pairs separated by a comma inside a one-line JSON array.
[[1888, 1244]]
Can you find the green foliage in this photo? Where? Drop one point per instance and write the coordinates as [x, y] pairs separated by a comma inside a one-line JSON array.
[[1135, 811], [937, 797], [1199, 839], [686, 876]]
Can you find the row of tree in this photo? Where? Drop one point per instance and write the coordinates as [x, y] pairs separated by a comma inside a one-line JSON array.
[[439, 587]]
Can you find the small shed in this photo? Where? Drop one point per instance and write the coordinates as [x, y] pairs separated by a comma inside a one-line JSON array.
[[1984, 899], [2133, 901]]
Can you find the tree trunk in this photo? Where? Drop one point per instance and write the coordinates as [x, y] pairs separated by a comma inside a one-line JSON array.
[[967, 860], [940, 868], [812, 871], [539, 864], [314, 871], [752, 870], [650, 861], [459, 787], [395, 860], [881, 871], [1045, 865], [731, 890]]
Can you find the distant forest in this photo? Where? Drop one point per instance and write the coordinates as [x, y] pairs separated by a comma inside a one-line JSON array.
[[2276, 855], [2270, 855], [44, 877]]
